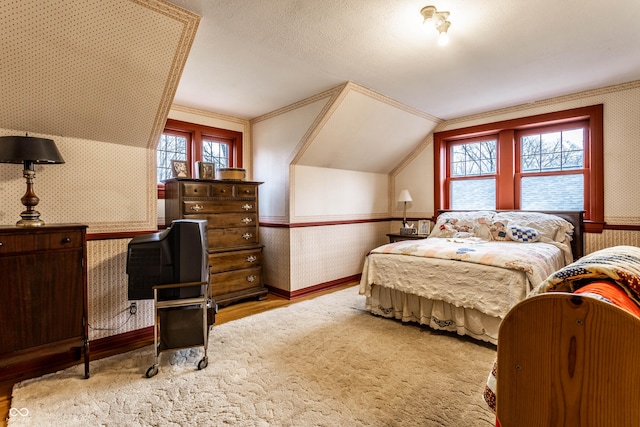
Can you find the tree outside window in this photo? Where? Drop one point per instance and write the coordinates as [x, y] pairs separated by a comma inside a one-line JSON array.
[[172, 146], [547, 162], [473, 174], [192, 143], [552, 166]]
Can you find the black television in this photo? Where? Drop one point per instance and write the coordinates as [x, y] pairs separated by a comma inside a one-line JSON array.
[[177, 254]]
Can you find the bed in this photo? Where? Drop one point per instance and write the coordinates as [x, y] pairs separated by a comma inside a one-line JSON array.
[[473, 267], [578, 365]]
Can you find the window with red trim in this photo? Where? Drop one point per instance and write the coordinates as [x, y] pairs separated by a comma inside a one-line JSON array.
[[196, 143], [546, 162]]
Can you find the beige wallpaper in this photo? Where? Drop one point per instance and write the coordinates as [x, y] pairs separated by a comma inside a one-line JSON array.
[[102, 70], [103, 185], [107, 290], [277, 257], [331, 252], [608, 238]]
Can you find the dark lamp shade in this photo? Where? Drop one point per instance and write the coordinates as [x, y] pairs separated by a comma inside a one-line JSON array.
[[17, 149]]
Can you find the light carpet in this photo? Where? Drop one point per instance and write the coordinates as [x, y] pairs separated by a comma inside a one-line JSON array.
[[320, 362]]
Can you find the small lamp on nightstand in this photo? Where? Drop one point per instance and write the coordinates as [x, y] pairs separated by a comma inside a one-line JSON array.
[[29, 151], [405, 197]]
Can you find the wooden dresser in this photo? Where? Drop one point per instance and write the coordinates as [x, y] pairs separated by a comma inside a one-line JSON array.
[[231, 211], [43, 303]]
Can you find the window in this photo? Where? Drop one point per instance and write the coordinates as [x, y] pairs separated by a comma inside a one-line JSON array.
[[472, 176], [547, 162], [192, 142], [216, 151], [172, 146], [551, 170]]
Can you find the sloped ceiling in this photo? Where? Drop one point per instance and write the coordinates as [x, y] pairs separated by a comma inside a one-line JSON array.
[[108, 70], [364, 131], [103, 70]]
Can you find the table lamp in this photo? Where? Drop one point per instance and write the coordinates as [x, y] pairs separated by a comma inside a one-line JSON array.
[[29, 151], [405, 197]]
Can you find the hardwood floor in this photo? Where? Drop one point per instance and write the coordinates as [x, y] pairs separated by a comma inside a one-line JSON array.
[[225, 314]]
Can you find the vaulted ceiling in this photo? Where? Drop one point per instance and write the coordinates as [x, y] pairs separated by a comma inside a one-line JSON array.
[[108, 70]]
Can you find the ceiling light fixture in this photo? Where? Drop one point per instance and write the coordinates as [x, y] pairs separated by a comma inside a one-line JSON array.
[[439, 22]]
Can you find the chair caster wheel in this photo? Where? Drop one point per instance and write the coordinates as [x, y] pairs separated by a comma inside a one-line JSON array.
[[152, 371], [203, 363]]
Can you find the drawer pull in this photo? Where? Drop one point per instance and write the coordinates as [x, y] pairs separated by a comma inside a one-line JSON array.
[[247, 207], [223, 191], [247, 191], [196, 208], [66, 240], [252, 258], [251, 278], [247, 236], [246, 220]]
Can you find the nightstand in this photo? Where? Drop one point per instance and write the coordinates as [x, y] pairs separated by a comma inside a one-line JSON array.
[[397, 237]]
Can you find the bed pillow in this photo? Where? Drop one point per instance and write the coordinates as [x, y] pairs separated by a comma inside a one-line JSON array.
[[463, 224], [550, 228], [498, 231], [523, 234]]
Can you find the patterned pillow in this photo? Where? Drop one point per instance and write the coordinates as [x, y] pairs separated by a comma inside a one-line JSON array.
[[551, 228], [498, 231], [472, 223], [523, 234]]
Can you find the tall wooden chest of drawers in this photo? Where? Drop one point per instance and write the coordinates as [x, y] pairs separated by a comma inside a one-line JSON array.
[[231, 211], [43, 308]]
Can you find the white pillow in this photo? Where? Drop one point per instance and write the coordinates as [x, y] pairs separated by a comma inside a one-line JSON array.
[[450, 224], [551, 228]]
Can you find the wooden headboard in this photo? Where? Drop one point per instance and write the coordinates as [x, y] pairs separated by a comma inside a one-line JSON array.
[[576, 218]]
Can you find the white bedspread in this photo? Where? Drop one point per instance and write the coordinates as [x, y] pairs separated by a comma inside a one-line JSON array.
[[419, 267]]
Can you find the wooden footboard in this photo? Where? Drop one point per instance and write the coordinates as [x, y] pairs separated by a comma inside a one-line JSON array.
[[567, 360]]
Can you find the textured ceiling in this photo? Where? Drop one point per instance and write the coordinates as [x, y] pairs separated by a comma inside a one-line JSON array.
[[103, 70], [253, 57]]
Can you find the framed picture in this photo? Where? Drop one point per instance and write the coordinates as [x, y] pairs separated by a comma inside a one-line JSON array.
[[179, 169], [205, 170], [424, 227]]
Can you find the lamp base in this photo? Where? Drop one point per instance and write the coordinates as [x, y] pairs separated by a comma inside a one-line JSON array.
[[30, 219], [30, 216], [30, 223]]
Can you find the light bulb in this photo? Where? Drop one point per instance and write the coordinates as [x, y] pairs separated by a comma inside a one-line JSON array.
[[443, 28], [443, 38]]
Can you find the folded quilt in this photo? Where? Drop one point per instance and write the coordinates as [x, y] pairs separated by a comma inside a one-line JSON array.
[[619, 263]]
